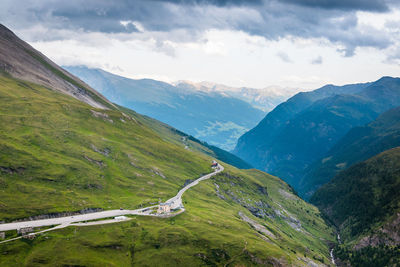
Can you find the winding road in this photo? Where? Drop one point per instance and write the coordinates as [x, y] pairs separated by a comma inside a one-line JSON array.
[[62, 222]]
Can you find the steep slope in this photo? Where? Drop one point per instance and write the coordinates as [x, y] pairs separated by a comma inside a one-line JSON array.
[[308, 135], [364, 203], [60, 155], [213, 117], [252, 145], [359, 144], [175, 136], [72, 156], [22, 61]]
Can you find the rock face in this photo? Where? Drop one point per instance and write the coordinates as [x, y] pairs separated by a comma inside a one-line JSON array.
[[259, 228], [22, 61], [389, 234]]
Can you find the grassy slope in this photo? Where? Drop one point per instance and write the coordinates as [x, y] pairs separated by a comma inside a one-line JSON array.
[[49, 134], [210, 232], [45, 137]]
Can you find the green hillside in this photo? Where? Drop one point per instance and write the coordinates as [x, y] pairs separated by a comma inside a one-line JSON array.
[[364, 203], [72, 156], [175, 136], [61, 155]]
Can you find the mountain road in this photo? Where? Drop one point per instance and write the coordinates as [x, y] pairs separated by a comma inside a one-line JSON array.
[[175, 203]]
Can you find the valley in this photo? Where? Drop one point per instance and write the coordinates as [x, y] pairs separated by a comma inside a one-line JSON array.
[[61, 156], [190, 133], [214, 117]]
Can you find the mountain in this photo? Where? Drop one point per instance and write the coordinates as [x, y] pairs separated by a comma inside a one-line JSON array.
[[254, 145], [210, 116], [22, 61], [363, 201], [61, 156], [306, 127], [359, 144], [265, 99]]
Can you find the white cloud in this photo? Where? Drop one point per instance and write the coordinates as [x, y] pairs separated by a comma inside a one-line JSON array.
[[229, 57]]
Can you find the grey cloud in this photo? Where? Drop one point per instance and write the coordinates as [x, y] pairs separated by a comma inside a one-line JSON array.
[[394, 56], [317, 61], [366, 5], [284, 57], [272, 19], [215, 2]]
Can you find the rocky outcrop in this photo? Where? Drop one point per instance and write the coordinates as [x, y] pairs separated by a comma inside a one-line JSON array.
[[258, 227], [102, 115], [106, 151], [100, 163], [388, 234], [12, 170], [157, 171]]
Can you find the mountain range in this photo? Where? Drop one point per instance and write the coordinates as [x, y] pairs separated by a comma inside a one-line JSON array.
[[211, 116], [265, 99], [302, 130], [68, 150]]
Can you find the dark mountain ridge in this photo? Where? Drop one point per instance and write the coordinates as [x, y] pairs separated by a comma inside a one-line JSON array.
[[359, 144], [250, 145]]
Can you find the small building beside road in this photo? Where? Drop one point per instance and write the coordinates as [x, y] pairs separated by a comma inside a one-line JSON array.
[[29, 236], [2, 235], [164, 208], [214, 164], [120, 218], [25, 230]]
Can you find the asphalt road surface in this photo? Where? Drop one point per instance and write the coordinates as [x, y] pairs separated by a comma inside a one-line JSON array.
[[61, 222]]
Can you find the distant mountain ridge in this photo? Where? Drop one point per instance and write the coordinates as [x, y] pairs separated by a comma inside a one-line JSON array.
[[263, 134], [304, 128], [213, 117], [265, 99]]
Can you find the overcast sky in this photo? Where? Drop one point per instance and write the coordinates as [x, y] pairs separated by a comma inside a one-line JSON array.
[[253, 43]]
